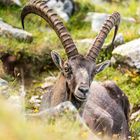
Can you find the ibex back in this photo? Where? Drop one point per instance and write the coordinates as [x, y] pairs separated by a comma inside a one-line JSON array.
[[74, 82]]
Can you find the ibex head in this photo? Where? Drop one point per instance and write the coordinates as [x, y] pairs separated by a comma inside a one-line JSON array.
[[78, 70]]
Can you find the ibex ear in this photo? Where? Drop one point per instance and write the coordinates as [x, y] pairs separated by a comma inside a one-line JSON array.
[[57, 59], [102, 66]]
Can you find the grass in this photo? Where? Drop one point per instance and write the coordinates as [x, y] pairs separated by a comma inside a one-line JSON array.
[[17, 128], [45, 40]]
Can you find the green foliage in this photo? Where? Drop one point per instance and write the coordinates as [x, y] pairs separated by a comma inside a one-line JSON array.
[[135, 128]]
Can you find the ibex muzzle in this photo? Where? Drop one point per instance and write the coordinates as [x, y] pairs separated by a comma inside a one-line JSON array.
[[78, 70]]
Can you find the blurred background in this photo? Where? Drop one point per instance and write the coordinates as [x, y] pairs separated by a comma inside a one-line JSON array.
[[25, 55]]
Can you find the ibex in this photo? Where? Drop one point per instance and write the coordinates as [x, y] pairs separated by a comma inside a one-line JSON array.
[[106, 105]]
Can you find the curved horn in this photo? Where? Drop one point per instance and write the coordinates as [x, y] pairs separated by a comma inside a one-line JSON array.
[[113, 20], [40, 8]]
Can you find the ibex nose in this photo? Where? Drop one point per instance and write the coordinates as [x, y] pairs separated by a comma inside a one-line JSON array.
[[84, 90]]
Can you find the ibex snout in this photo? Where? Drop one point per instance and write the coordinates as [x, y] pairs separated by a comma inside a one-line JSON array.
[[82, 92]]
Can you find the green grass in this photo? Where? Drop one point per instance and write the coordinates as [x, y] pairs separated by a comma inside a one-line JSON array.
[[18, 128]]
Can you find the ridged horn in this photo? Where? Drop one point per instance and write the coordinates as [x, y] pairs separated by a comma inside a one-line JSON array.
[[41, 9], [112, 20]]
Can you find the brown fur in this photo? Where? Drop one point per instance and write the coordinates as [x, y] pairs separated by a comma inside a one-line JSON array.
[[57, 94], [59, 91]]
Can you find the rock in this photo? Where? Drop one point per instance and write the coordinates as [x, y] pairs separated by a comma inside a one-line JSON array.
[[46, 85], [119, 40], [135, 116], [35, 100], [64, 8], [3, 82], [11, 2], [128, 54], [9, 31], [97, 20], [98, 2], [108, 48], [4, 88], [49, 82]]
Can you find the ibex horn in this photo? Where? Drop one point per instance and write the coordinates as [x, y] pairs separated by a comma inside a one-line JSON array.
[[113, 20], [41, 9]]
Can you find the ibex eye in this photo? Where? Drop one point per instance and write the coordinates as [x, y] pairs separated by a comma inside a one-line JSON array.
[[66, 69]]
